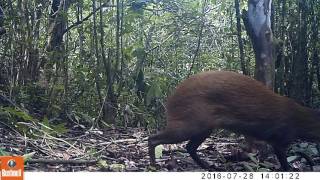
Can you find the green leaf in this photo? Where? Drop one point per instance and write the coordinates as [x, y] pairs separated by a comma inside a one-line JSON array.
[[139, 53], [267, 164], [18, 113], [158, 151], [151, 168], [292, 158], [304, 145], [45, 124], [3, 153], [59, 87], [53, 128], [263, 170], [154, 92], [117, 167], [60, 128], [247, 166], [253, 158], [314, 150], [4, 115], [103, 164], [28, 156]]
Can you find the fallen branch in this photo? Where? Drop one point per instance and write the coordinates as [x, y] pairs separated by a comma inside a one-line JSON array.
[[62, 161]]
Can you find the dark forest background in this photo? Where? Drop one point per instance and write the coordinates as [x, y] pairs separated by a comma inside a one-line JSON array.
[[101, 63]]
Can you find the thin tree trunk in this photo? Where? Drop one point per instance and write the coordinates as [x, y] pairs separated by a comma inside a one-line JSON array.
[[240, 42], [80, 29], [97, 68], [105, 109], [111, 100], [118, 38], [2, 29], [56, 47], [315, 54], [300, 64], [281, 76], [65, 98], [200, 35], [122, 65]]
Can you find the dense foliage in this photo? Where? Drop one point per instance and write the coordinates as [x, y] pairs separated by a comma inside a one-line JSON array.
[[117, 61]]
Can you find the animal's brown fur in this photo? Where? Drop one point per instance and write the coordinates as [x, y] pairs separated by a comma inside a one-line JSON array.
[[228, 100]]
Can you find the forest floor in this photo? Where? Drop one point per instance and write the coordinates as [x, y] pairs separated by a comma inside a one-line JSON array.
[[125, 149]]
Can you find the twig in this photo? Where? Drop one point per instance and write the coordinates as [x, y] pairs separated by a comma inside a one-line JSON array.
[[62, 161], [86, 18], [119, 141], [49, 136]]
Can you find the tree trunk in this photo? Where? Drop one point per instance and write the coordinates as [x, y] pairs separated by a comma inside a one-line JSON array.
[[2, 29], [281, 75], [56, 47], [315, 53], [240, 42], [200, 36], [258, 25], [97, 63], [300, 64]]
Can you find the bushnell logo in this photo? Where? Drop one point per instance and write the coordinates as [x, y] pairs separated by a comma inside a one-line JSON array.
[[11, 168], [12, 163]]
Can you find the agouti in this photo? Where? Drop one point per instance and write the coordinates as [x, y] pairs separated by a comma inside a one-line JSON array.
[[228, 100]]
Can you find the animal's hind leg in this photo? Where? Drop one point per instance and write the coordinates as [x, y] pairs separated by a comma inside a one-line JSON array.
[[168, 136], [281, 155], [193, 145]]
